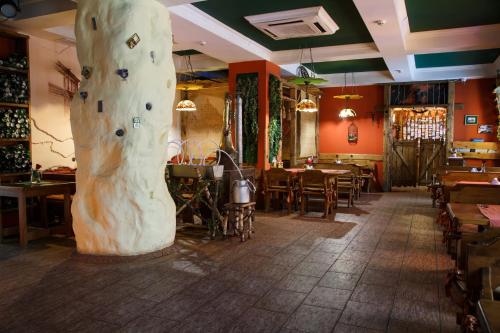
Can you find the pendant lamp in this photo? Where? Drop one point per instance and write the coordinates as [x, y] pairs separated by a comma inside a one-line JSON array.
[[304, 78], [186, 84], [348, 112]]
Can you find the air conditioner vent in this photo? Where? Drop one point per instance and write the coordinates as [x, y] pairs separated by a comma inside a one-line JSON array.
[[297, 23]]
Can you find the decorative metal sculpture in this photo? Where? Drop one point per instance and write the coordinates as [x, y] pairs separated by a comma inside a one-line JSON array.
[[227, 139]]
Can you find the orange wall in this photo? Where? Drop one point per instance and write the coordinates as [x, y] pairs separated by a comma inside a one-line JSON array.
[[333, 130], [478, 99], [263, 68]]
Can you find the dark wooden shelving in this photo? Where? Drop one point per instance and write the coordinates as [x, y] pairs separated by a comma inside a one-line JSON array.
[[13, 70], [5, 140], [13, 105]]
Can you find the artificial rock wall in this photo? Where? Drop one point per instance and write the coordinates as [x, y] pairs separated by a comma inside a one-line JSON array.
[[120, 123]]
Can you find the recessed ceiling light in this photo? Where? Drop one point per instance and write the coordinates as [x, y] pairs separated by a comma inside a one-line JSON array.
[[203, 43], [398, 71], [380, 22]]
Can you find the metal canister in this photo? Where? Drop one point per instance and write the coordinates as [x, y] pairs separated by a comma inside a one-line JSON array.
[[242, 191]]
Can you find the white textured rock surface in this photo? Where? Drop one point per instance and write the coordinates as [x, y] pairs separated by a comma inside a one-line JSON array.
[[122, 205]]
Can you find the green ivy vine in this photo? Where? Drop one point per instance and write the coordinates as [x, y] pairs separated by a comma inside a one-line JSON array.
[[247, 85], [274, 117]]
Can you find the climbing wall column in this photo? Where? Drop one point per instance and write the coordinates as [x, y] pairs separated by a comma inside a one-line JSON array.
[[120, 123]]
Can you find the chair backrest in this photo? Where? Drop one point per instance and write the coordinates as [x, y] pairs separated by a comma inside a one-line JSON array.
[[313, 178], [277, 176]]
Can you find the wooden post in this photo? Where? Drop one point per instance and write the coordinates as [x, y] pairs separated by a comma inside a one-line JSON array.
[[293, 132], [387, 139], [450, 117]]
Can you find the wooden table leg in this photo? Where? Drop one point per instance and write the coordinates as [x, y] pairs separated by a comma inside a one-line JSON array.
[[67, 214], [23, 224], [1, 224], [43, 211]]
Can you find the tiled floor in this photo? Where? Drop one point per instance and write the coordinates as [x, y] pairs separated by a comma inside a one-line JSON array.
[[378, 267]]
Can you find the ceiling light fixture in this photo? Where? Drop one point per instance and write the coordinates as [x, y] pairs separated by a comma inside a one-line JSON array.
[[9, 8], [380, 22], [186, 83], [304, 78], [348, 112]]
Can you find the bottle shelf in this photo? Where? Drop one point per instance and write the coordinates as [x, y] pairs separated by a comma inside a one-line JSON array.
[[13, 105], [6, 140], [14, 174], [13, 70]]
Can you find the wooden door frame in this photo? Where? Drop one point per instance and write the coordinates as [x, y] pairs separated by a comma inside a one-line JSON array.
[[388, 140]]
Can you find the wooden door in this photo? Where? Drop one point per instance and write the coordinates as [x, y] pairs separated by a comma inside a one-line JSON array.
[[432, 155], [403, 163], [414, 162]]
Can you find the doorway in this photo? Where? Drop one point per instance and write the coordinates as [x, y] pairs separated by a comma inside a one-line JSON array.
[[418, 144]]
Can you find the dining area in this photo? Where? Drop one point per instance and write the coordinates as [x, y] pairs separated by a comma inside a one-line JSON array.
[[319, 187]]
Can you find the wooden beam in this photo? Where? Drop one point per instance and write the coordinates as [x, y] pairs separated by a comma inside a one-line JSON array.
[[387, 139], [450, 117], [334, 156]]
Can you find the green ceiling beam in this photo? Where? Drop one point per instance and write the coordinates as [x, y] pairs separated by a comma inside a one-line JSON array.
[[456, 58], [348, 66], [425, 15]]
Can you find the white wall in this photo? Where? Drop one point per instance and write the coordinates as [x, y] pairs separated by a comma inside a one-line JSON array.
[[50, 112]]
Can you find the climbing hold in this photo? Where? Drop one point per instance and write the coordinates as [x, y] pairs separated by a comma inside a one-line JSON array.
[[123, 73], [94, 23], [152, 54], [86, 72], [120, 132], [84, 95], [133, 41], [149, 106], [100, 106], [136, 122]]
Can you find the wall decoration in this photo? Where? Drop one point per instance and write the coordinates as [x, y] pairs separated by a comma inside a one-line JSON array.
[[485, 129], [275, 134], [247, 85], [352, 133], [470, 119], [133, 41]]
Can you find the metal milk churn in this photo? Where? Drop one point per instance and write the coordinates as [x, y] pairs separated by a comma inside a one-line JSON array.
[[242, 191]]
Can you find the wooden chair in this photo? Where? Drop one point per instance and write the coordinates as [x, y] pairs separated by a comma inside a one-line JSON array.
[[316, 183], [278, 181], [347, 185]]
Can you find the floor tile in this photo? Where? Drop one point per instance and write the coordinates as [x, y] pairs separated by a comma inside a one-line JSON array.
[[281, 301], [374, 294], [311, 269], [328, 297], [339, 280], [348, 266], [313, 319], [298, 283], [374, 316]]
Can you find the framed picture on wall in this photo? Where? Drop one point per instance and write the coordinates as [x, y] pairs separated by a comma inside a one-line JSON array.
[[470, 119], [485, 129]]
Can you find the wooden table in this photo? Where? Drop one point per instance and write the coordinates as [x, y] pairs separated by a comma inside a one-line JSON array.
[[332, 172], [489, 318], [21, 191], [466, 214]]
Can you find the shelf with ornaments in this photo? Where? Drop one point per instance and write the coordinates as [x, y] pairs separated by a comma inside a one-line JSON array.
[[15, 116]]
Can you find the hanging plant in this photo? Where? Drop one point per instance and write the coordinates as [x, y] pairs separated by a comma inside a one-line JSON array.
[[247, 85], [274, 117]]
